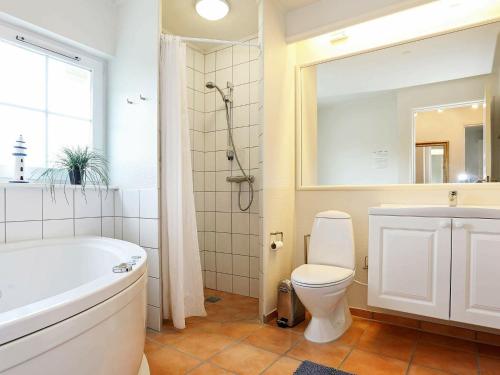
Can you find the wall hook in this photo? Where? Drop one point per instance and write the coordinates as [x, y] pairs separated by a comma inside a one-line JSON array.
[[142, 97], [129, 101]]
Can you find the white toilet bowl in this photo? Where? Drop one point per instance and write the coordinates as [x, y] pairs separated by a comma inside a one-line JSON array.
[[322, 290]]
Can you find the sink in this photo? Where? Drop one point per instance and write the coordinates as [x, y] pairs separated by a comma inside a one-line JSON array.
[[430, 210]]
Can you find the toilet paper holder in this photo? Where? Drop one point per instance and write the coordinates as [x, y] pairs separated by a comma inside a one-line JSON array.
[[276, 237]]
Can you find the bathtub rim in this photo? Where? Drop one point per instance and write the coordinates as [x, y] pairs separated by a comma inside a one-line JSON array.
[[24, 320]]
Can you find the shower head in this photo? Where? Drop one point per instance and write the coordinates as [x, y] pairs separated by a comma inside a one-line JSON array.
[[227, 98]]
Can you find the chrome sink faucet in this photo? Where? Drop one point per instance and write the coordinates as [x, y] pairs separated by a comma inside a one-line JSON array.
[[453, 198]]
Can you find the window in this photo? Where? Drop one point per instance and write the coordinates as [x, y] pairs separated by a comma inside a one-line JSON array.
[[53, 101]]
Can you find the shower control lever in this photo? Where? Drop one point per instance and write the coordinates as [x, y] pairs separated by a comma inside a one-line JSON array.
[[240, 179]]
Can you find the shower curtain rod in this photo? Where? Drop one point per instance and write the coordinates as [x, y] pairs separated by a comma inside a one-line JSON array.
[[216, 41]]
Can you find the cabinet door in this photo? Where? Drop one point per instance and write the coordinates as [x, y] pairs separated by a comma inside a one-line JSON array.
[[475, 288], [409, 264]]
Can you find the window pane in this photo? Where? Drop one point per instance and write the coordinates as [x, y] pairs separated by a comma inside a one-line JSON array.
[[67, 132], [31, 124], [22, 76], [69, 89]]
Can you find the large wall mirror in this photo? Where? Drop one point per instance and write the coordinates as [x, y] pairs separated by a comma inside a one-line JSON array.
[[423, 112]]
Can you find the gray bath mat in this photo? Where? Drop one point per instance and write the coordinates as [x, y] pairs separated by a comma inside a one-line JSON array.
[[311, 368]]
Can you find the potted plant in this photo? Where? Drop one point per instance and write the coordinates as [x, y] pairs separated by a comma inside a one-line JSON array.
[[80, 166]]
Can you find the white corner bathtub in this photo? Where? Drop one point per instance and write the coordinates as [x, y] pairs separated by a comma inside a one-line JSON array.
[[63, 311]]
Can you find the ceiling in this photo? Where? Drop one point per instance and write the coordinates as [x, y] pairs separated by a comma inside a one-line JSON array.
[[453, 56], [180, 18], [294, 4]]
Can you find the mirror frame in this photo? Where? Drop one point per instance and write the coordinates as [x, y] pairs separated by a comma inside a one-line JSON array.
[[298, 127]]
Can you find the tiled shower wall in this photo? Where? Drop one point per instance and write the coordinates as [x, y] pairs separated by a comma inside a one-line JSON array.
[[228, 237]]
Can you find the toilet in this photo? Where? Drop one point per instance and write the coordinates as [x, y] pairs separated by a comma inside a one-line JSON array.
[[321, 284]]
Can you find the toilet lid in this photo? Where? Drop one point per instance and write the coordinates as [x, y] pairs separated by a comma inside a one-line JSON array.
[[319, 274]]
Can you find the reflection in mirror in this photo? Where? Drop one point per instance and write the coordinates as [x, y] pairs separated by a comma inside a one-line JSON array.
[[422, 112]]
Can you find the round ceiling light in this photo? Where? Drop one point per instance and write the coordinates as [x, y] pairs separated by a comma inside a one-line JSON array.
[[212, 10]]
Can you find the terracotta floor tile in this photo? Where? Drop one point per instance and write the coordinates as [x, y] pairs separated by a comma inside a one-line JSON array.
[[330, 354], [203, 344], [450, 342], [420, 370], [244, 359], [209, 369], [168, 361], [150, 346], [283, 366], [446, 359], [168, 335], [352, 335], [489, 366], [391, 341], [489, 350], [360, 363], [240, 329], [276, 340]]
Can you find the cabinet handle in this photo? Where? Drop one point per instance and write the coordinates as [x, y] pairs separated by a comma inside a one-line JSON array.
[[444, 224], [459, 224]]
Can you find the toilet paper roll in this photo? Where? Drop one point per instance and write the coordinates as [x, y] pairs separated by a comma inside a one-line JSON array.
[[275, 245]]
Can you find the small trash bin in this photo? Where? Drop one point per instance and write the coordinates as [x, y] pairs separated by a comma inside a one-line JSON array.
[[290, 310]]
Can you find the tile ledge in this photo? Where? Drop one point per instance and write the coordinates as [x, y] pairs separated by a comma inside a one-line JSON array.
[[30, 185]]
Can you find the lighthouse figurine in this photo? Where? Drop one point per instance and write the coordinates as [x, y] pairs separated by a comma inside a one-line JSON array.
[[20, 155]]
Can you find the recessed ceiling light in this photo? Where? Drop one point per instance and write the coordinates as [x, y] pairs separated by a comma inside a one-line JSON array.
[[440, 110], [338, 38], [212, 10], [475, 106]]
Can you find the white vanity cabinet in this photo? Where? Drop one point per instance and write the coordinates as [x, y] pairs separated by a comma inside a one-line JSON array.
[[409, 261], [436, 262]]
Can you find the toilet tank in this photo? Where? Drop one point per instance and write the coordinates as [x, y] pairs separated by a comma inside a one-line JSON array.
[[332, 240]]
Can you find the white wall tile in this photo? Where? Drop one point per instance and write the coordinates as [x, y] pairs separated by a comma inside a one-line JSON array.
[[108, 227], [241, 265], [241, 74], [223, 243], [198, 81], [23, 204], [254, 267], [131, 230], [254, 92], [210, 181], [241, 244], [149, 233], [118, 228], [221, 120], [223, 222], [88, 227], [209, 141], [189, 77], [210, 280], [210, 261], [209, 222], [241, 285], [254, 135], [199, 121], [108, 203], [130, 203], [199, 61], [223, 201], [153, 292], [241, 54], [153, 318], [189, 57], [254, 68], [254, 246], [201, 240], [254, 51], [223, 58], [242, 95], [254, 224], [58, 228], [209, 161], [210, 62], [210, 101], [254, 114], [148, 203], [118, 202], [198, 181], [241, 137], [240, 223], [221, 161], [200, 221], [209, 201], [88, 205], [220, 181], [23, 231], [2, 205], [153, 262], [224, 282], [210, 121], [59, 206], [2, 233], [254, 288], [241, 116], [210, 241], [224, 262], [199, 101], [222, 77]]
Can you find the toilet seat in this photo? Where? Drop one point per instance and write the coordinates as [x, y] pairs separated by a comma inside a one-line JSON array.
[[321, 276]]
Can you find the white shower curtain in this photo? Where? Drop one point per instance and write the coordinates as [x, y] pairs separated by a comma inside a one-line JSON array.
[[181, 268]]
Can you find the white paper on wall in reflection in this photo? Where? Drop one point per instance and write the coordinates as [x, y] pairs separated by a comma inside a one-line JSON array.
[[380, 159]]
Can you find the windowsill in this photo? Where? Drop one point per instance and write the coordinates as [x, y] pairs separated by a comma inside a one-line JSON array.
[[31, 185]]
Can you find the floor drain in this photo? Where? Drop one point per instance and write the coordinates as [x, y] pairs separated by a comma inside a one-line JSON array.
[[212, 299]]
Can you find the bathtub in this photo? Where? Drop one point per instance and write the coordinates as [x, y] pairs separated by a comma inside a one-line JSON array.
[[64, 311]]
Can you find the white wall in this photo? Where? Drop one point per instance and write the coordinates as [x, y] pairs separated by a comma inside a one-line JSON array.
[[350, 132], [90, 24], [327, 15], [132, 139], [278, 145]]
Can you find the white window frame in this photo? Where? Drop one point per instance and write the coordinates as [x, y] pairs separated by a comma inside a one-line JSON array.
[[96, 65]]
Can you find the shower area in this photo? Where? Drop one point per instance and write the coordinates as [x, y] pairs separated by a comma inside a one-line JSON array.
[[224, 124]]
